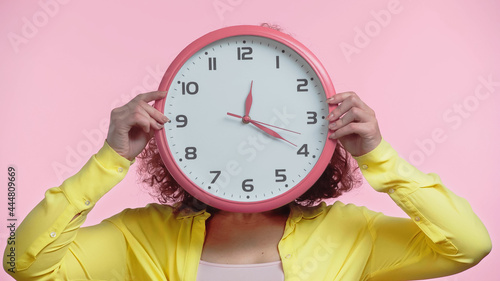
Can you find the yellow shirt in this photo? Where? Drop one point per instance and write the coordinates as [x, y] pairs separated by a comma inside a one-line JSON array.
[[339, 242]]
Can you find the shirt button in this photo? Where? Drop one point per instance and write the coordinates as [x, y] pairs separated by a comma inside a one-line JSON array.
[[417, 218], [364, 166], [391, 190], [53, 234], [288, 256], [87, 202], [120, 169]]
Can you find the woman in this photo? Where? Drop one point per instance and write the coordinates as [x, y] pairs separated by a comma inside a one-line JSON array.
[[182, 242]]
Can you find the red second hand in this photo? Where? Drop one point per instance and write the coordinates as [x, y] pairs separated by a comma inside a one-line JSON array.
[[265, 129], [262, 123], [270, 132]]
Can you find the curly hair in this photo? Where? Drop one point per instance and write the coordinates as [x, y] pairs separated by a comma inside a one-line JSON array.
[[340, 175]]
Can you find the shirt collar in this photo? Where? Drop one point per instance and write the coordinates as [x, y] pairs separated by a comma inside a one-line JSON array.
[[297, 211], [182, 211]]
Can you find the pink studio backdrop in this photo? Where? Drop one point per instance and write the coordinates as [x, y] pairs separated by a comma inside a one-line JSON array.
[[430, 69]]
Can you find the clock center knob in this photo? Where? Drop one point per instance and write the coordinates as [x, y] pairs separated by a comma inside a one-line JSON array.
[[246, 119]]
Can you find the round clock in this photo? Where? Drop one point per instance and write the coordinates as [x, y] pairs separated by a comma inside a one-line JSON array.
[[248, 129]]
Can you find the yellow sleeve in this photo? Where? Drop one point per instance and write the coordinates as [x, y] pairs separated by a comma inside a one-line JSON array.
[[49, 243], [442, 235]]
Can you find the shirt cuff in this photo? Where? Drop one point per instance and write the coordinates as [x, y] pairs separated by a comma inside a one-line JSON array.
[[385, 171], [103, 171], [108, 155]]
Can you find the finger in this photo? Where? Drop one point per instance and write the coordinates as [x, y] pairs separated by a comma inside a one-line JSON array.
[[345, 105], [151, 134], [138, 119], [141, 118], [153, 123], [153, 112], [353, 115], [347, 101], [361, 129], [141, 112], [340, 97], [151, 96]]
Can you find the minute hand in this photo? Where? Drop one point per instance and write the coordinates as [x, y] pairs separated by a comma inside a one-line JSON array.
[[265, 129], [248, 102], [262, 123]]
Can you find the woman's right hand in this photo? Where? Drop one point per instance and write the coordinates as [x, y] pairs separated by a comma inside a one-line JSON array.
[[132, 125]]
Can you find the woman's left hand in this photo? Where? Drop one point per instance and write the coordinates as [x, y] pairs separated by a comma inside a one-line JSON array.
[[353, 123]]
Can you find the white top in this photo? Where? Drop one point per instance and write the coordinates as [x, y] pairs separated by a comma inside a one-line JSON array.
[[269, 271]]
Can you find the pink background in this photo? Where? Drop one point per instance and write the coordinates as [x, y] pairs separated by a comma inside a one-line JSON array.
[[66, 64]]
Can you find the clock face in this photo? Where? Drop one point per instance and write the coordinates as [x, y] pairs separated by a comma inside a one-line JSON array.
[[226, 161]]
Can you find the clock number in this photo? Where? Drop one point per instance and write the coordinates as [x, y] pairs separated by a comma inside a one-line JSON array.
[[313, 118], [280, 175], [244, 53], [190, 153], [277, 62], [246, 185], [302, 83], [217, 174], [212, 64], [181, 119], [191, 88], [303, 150]]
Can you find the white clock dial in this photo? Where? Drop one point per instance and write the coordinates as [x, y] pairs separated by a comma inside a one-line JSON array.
[[221, 154]]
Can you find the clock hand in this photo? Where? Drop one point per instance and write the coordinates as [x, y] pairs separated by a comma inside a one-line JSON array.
[[247, 119], [248, 102], [265, 129], [269, 131]]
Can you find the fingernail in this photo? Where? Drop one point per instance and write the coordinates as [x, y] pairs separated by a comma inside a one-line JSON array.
[[330, 116], [331, 98], [165, 118], [332, 126], [332, 135], [160, 125]]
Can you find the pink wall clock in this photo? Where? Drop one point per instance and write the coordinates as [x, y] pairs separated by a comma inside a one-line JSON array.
[[248, 130]]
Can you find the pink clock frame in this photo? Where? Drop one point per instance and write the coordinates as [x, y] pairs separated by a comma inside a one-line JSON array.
[[192, 188]]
